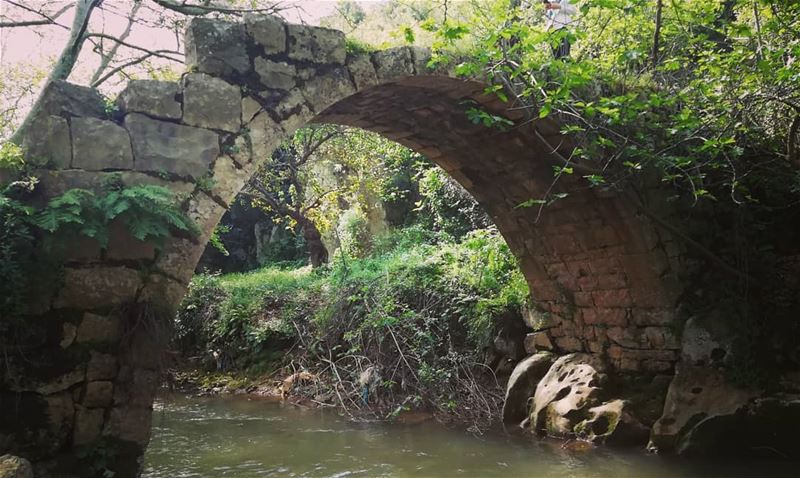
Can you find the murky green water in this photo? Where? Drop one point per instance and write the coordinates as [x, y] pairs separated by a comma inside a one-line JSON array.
[[241, 437]]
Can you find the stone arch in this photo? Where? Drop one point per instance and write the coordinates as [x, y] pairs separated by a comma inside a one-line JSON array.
[[603, 278]]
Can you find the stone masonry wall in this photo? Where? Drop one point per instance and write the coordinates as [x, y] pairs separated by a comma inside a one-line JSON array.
[[603, 279]]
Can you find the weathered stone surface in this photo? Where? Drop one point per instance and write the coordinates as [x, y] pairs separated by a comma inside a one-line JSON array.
[[68, 334], [265, 136], [362, 70], [122, 246], [394, 63], [178, 259], [98, 394], [158, 99], [228, 179], [268, 31], [250, 108], [101, 367], [47, 142], [15, 467], [97, 287], [695, 391], [212, 103], [99, 145], [135, 178], [130, 423], [320, 45], [216, 47], [537, 342], [166, 147], [276, 74], [522, 385], [88, 425], [62, 382], [323, 91], [570, 401], [98, 328], [164, 292], [66, 99]]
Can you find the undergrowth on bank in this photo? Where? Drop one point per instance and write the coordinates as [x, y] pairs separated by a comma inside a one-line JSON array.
[[405, 327]]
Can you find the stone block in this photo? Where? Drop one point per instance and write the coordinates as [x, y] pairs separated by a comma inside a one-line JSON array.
[[47, 142], [163, 291], [205, 212], [159, 146], [131, 424], [98, 145], [62, 98], [228, 179], [277, 75], [537, 342], [362, 70], [99, 329], [62, 382], [315, 44], [88, 425], [122, 246], [211, 103], [569, 344], [153, 98], [178, 259], [68, 334], [101, 366], [265, 136], [98, 394], [267, 31], [393, 63], [97, 287], [250, 108], [327, 89], [216, 47]]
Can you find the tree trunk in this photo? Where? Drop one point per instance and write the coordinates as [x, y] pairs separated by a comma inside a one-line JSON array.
[[657, 33], [317, 253]]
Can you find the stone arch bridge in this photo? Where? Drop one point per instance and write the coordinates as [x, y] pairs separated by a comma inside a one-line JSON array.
[[605, 279]]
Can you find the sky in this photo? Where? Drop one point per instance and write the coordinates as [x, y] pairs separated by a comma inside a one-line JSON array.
[[36, 47]]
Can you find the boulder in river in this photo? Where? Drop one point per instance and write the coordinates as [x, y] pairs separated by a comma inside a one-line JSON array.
[[522, 384], [573, 401], [15, 467]]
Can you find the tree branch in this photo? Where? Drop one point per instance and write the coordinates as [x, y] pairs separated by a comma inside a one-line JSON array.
[[46, 20], [193, 9], [157, 53], [107, 57]]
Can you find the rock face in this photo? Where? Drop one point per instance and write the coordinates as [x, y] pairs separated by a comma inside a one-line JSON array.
[[321, 45], [571, 401], [268, 31], [47, 142], [522, 385], [15, 467]]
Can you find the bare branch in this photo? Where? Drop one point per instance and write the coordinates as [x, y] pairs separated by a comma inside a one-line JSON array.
[[46, 19], [157, 53], [107, 57], [194, 9]]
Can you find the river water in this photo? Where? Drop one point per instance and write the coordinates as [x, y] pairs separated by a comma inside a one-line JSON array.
[[242, 437]]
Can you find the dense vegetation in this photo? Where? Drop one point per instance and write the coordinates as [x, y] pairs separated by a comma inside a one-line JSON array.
[[418, 313]]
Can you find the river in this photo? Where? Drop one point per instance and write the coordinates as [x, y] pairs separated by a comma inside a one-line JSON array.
[[241, 437]]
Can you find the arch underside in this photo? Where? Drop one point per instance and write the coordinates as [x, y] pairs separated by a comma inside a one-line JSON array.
[[600, 275]]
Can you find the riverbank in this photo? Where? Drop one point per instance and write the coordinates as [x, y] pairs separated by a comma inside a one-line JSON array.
[[411, 324]]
